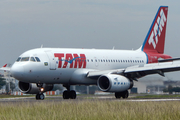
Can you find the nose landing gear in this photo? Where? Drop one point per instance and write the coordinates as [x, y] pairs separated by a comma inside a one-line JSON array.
[[40, 95]]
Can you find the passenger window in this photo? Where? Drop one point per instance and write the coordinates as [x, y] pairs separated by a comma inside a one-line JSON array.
[[19, 59], [37, 59], [25, 59], [32, 59]]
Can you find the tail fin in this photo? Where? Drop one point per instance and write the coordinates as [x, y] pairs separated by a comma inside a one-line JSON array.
[[155, 39], [5, 65]]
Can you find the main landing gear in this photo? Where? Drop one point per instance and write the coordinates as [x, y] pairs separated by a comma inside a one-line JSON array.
[[123, 94], [69, 94], [40, 95]]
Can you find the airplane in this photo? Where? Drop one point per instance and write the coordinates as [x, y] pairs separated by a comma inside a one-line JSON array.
[[111, 70]]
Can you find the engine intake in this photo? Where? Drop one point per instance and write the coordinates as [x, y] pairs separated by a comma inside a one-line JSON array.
[[114, 83], [31, 88]]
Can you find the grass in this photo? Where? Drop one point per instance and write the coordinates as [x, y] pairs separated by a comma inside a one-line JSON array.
[[157, 96], [90, 110]]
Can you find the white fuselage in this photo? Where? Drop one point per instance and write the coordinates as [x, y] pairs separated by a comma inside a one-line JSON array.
[[70, 66]]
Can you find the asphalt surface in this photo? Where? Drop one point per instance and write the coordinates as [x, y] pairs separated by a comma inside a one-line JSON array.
[[80, 98]]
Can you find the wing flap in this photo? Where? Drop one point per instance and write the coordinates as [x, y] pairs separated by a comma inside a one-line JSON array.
[[137, 71], [154, 68]]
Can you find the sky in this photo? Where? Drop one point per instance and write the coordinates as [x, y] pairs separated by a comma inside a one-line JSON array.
[[100, 24]]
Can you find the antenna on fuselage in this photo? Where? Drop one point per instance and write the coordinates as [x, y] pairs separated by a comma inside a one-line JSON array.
[[42, 46], [113, 47]]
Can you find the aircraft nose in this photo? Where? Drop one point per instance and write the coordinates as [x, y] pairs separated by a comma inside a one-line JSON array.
[[17, 71]]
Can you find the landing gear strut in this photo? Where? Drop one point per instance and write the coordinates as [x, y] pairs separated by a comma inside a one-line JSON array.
[[69, 94], [123, 94], [40, 95]]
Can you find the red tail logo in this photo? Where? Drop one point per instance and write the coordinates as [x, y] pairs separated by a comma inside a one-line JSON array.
[[155, 38], [154, 42]]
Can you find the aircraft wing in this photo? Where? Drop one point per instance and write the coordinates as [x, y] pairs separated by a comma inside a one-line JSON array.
[[96, 74], [134, 72]]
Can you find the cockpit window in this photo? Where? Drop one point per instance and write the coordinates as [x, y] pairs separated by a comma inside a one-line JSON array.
[[32, 59], [19, 58], [25, 59], [37, 59]]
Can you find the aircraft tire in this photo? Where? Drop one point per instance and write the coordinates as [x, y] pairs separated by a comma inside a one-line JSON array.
[[41, 96], [125, 94], [72, 94], [118, 95], [37, 97], [66, 94]]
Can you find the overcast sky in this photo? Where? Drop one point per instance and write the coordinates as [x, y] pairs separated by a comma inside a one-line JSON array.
[[27, 24]]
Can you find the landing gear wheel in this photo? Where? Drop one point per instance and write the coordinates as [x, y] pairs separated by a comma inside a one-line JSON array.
[[118, 95], [37, 97], [125, 94], [72, 94], [40, 96], [66, 94], [69, 94]]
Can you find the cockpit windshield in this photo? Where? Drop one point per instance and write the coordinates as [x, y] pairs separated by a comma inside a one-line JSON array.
[[32, 59], [25, 59], [37, 59], [19, 59]]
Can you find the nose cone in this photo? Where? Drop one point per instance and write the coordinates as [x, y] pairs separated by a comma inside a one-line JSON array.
[[17, 71]]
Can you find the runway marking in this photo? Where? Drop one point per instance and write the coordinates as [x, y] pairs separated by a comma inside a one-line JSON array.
[[156, 100]]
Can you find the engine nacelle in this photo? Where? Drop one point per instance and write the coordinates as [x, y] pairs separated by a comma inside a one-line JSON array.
[[114, 83], [31, 88]]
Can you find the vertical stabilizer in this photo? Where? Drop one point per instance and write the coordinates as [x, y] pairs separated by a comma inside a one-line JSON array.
[[155, 39]]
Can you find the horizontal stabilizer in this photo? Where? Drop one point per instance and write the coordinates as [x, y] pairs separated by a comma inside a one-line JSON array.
[[168, 60]]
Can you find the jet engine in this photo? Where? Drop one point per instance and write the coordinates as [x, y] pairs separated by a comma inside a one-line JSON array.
[[114, 83], [31, 88]]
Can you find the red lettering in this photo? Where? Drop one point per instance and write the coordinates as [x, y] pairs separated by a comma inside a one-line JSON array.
[[82, 61], [77, 61], [59, 55], [69, 59]]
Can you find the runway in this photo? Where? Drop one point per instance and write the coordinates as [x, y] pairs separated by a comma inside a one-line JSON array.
[[82, 98]]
